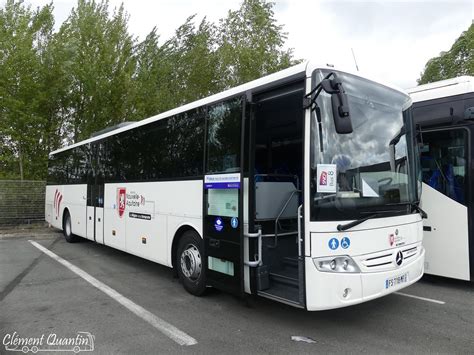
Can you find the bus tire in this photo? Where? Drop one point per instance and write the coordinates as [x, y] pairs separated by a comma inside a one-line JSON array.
[[189, 263], [67, 229]]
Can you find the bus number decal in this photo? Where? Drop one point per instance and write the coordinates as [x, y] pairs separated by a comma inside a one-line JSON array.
[[326, 178]]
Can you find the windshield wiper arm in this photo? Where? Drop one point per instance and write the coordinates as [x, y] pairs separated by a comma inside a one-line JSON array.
[[343, 227], [416, 207]]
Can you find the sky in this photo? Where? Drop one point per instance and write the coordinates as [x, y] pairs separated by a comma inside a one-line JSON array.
[[391, 40]]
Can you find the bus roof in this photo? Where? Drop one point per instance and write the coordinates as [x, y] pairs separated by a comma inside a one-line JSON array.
[[442, 88], [294, 71]]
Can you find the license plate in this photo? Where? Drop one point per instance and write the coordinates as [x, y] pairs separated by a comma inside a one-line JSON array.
[[397, 280]]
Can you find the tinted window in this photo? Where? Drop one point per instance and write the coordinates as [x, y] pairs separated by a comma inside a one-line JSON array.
[[69, 167], [153, 153], [185, 144], [223, 136], [444, 162], [165, 149], [122, 158], [57, 169]]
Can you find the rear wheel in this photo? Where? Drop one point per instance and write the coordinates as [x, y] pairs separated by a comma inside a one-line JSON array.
[[189, 263], [67, 229]]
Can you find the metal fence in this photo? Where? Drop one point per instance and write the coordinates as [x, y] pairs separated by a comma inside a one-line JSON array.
[[21, 201]]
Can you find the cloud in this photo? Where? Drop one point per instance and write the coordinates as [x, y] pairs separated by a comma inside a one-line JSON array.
[[392, 40]]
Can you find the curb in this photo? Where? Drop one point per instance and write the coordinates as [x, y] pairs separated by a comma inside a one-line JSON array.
[[30, 235]]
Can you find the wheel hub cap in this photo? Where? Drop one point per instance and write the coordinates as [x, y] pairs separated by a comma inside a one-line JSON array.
[[191, 264]]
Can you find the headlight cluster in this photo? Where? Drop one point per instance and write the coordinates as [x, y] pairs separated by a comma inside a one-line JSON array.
[[336, 264]]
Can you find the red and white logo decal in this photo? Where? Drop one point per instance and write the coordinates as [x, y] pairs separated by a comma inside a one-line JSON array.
[[121, 200], [391, 239], [323, 179], [58, 197]]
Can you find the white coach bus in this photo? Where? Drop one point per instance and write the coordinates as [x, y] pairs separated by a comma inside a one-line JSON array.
[[445, 112], [300, 187]]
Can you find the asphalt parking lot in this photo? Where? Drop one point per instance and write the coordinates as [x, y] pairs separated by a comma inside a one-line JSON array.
[[136, 306]]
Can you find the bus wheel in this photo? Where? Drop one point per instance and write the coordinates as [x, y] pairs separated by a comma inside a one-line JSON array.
[[67, 229], [190, 264]]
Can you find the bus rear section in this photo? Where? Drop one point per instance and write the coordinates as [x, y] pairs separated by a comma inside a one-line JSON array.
[[444, 111]]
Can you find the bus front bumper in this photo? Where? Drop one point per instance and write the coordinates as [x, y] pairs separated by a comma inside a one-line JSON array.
[[328, 290]]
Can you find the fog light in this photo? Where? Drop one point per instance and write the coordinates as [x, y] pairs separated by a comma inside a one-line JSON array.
[[346, 292]]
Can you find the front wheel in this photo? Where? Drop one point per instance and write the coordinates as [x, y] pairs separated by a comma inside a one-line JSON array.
[[67, 229], [189, 263]]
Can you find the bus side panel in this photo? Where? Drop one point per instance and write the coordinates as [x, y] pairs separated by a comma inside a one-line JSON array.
[[145, 216], [147, 237], [74, 199], [115, 222], [176, 222], [49, 213]]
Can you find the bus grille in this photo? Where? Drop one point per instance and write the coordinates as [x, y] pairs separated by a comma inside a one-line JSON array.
[[385, 260]]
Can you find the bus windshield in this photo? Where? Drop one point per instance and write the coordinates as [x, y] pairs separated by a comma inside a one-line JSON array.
[[372, 169]]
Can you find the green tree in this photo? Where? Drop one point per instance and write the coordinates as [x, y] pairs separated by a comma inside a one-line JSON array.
[[251, 43], [193, 52], [24, 38], [459, 60], [201, 60], [100, 68], [183, 69], [152, 78], [58, 88]]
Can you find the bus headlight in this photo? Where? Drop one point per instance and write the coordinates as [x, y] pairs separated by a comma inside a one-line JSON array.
[[336, 264]]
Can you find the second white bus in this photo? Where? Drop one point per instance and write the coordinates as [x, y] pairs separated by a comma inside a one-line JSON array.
[[444, 110]]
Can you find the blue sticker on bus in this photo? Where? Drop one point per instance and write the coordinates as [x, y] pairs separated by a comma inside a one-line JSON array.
[[333, 243], [218, 224], [345, 242], [234, 222]]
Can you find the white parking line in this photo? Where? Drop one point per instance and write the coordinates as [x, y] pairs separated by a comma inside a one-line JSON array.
[[163, 326], [420, 298]]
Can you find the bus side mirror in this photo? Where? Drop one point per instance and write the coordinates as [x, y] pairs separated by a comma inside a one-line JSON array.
[[340, 105], [341, 114]]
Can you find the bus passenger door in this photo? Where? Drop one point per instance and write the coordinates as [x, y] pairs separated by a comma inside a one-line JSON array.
[[445, 198], [95, 196], [222, 196]]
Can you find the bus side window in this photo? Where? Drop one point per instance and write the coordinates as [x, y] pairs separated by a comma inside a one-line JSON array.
[[443, 159], [223, 136]]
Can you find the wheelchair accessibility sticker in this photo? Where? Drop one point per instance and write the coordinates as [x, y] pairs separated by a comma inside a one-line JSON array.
[[344, 243]]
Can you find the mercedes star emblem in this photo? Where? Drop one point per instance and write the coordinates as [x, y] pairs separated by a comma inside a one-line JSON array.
[[399, 258]]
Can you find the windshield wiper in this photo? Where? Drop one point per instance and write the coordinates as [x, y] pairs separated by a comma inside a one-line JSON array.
[[417, 208], [343, 227], [414, 207]]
